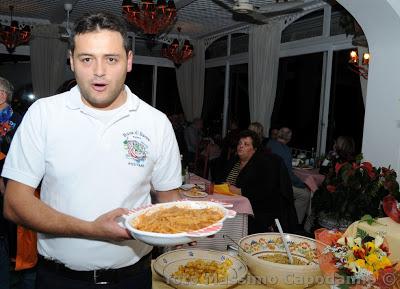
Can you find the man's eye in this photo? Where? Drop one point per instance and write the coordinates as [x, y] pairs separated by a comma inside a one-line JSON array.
[[86, 59], [112, 59]]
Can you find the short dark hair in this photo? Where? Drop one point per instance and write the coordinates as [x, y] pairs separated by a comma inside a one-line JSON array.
[[253, 135], [97, 21]]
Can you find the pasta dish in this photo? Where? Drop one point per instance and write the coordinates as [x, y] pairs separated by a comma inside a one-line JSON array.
[[177, 220], [203, 272]]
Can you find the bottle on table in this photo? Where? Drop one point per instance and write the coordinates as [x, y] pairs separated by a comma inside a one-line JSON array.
[[187, 176], [182, 171], [312, 158]]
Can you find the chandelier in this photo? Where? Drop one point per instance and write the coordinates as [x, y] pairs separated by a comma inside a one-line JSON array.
[[12, 36], [356, 66], [176, 52], [151, 18]]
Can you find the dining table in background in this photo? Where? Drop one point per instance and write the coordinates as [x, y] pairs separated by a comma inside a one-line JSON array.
[[311, 177], [236, 228]]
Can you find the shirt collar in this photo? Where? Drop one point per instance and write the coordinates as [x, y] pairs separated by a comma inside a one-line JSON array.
[[74, 101]]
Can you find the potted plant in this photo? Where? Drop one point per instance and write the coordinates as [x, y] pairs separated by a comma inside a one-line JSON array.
[[352, 190]]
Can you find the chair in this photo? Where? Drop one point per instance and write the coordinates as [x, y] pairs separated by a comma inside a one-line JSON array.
[[202, 157]]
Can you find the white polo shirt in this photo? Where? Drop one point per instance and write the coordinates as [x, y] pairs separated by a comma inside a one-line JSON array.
[[90, 167]]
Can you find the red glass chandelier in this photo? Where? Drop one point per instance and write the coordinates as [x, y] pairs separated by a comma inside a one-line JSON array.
[[176, 52], [12, 36], [151, 18]]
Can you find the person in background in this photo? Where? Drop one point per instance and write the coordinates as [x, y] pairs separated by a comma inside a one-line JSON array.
[[121, 148], [301, 194], [9, 122], [264, 180], [343, 151], [273, 133], [179, 127], [259, 130], [193, 135]]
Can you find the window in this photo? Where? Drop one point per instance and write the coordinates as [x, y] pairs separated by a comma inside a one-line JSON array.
[[239, 95], [239, 43], [298, 98], [336, 15], [306, 27], [167, 100], [218, 48], [147, 47], [140, 80], [213, 99], [346, 109]]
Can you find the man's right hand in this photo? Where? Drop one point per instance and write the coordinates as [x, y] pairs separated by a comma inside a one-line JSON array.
[[106, 226]]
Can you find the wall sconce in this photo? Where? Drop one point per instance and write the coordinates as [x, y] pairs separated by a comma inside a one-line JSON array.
[[356, 66]]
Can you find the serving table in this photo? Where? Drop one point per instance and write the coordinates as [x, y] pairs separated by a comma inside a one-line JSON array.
[[158, 283]]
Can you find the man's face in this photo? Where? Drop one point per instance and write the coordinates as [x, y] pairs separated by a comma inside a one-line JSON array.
[[100, 64]]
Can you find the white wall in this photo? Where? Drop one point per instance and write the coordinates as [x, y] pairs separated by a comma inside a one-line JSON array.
[[380, 21]]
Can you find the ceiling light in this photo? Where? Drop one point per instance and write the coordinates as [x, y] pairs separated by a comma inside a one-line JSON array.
[[176, 52], [12, 36], [151, 18], [356, 66]]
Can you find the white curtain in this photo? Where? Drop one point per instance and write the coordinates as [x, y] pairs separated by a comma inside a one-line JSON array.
[[363, 81], [264, 46], [48, 59], [190, 80]]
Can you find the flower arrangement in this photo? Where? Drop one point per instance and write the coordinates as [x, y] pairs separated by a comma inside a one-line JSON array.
[[357, 262], [352, 190]]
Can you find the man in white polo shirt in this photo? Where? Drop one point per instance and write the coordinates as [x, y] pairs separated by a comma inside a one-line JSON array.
[[97, 150]]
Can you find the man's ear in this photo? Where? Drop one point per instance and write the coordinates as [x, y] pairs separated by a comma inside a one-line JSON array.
[[71, 60], [130, 61]]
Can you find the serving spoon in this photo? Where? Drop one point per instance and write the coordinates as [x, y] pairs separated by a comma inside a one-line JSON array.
[[278, 225]]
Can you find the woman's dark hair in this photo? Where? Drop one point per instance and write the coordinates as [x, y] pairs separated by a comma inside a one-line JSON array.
[[345, 147], [253, 135], [97, 21]]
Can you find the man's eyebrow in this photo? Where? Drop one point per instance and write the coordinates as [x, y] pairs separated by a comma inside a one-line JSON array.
[[106, 55], [84, 54]]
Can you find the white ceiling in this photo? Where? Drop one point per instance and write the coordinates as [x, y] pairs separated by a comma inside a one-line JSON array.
[[198, 18]]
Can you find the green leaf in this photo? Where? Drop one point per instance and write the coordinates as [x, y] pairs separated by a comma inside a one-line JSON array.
[[361, 233], [370, 220], [344, 286]]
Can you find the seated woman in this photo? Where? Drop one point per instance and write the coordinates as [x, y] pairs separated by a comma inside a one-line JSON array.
[[343, 151], [264, 180]]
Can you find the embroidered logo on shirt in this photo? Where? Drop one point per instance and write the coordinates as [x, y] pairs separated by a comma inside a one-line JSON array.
[[136, 148]]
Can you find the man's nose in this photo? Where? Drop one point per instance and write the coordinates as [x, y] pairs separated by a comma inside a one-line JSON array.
[[100, 68]]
